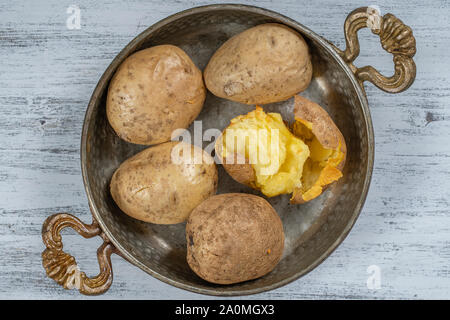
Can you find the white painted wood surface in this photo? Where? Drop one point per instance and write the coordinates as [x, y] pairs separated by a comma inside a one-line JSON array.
[[47, 74]]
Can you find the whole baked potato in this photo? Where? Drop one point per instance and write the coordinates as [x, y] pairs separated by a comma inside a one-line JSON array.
[[164, 183], [234, 237], [153, 92], [264, 64], [260, 151]]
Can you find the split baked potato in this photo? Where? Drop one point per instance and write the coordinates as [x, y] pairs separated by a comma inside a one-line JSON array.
[[259, 150]]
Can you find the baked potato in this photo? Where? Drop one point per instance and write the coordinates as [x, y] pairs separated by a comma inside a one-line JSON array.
[[234, 237], [260, 151], [328, 150], [164, 183], [153, 92], [264, 64]]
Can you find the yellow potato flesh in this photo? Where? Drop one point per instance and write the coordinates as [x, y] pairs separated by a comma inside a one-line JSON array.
[[320, 168], [276, 155]]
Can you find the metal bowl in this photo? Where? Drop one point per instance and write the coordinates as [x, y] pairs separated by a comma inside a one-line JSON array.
[[313, 230]]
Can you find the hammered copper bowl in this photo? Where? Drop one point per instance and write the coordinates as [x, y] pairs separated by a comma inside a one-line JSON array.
[[312, 230]]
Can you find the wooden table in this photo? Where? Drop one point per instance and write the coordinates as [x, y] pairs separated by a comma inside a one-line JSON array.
[[48, 72]]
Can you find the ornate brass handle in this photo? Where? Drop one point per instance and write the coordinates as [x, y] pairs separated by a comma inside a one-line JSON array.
[[63, 268], [396, 38]]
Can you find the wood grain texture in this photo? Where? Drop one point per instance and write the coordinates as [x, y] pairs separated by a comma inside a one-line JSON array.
[[48, 73]]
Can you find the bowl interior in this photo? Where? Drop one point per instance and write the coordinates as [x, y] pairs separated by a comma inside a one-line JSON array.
[[312, 230]]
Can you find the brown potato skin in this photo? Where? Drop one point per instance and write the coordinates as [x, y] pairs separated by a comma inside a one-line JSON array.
[[150, 187], [264, 64], [242, 173], [234, 237], [153, 92], [324, 128]]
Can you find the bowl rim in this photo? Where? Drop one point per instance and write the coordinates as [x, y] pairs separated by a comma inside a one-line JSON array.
[[131, 47]]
